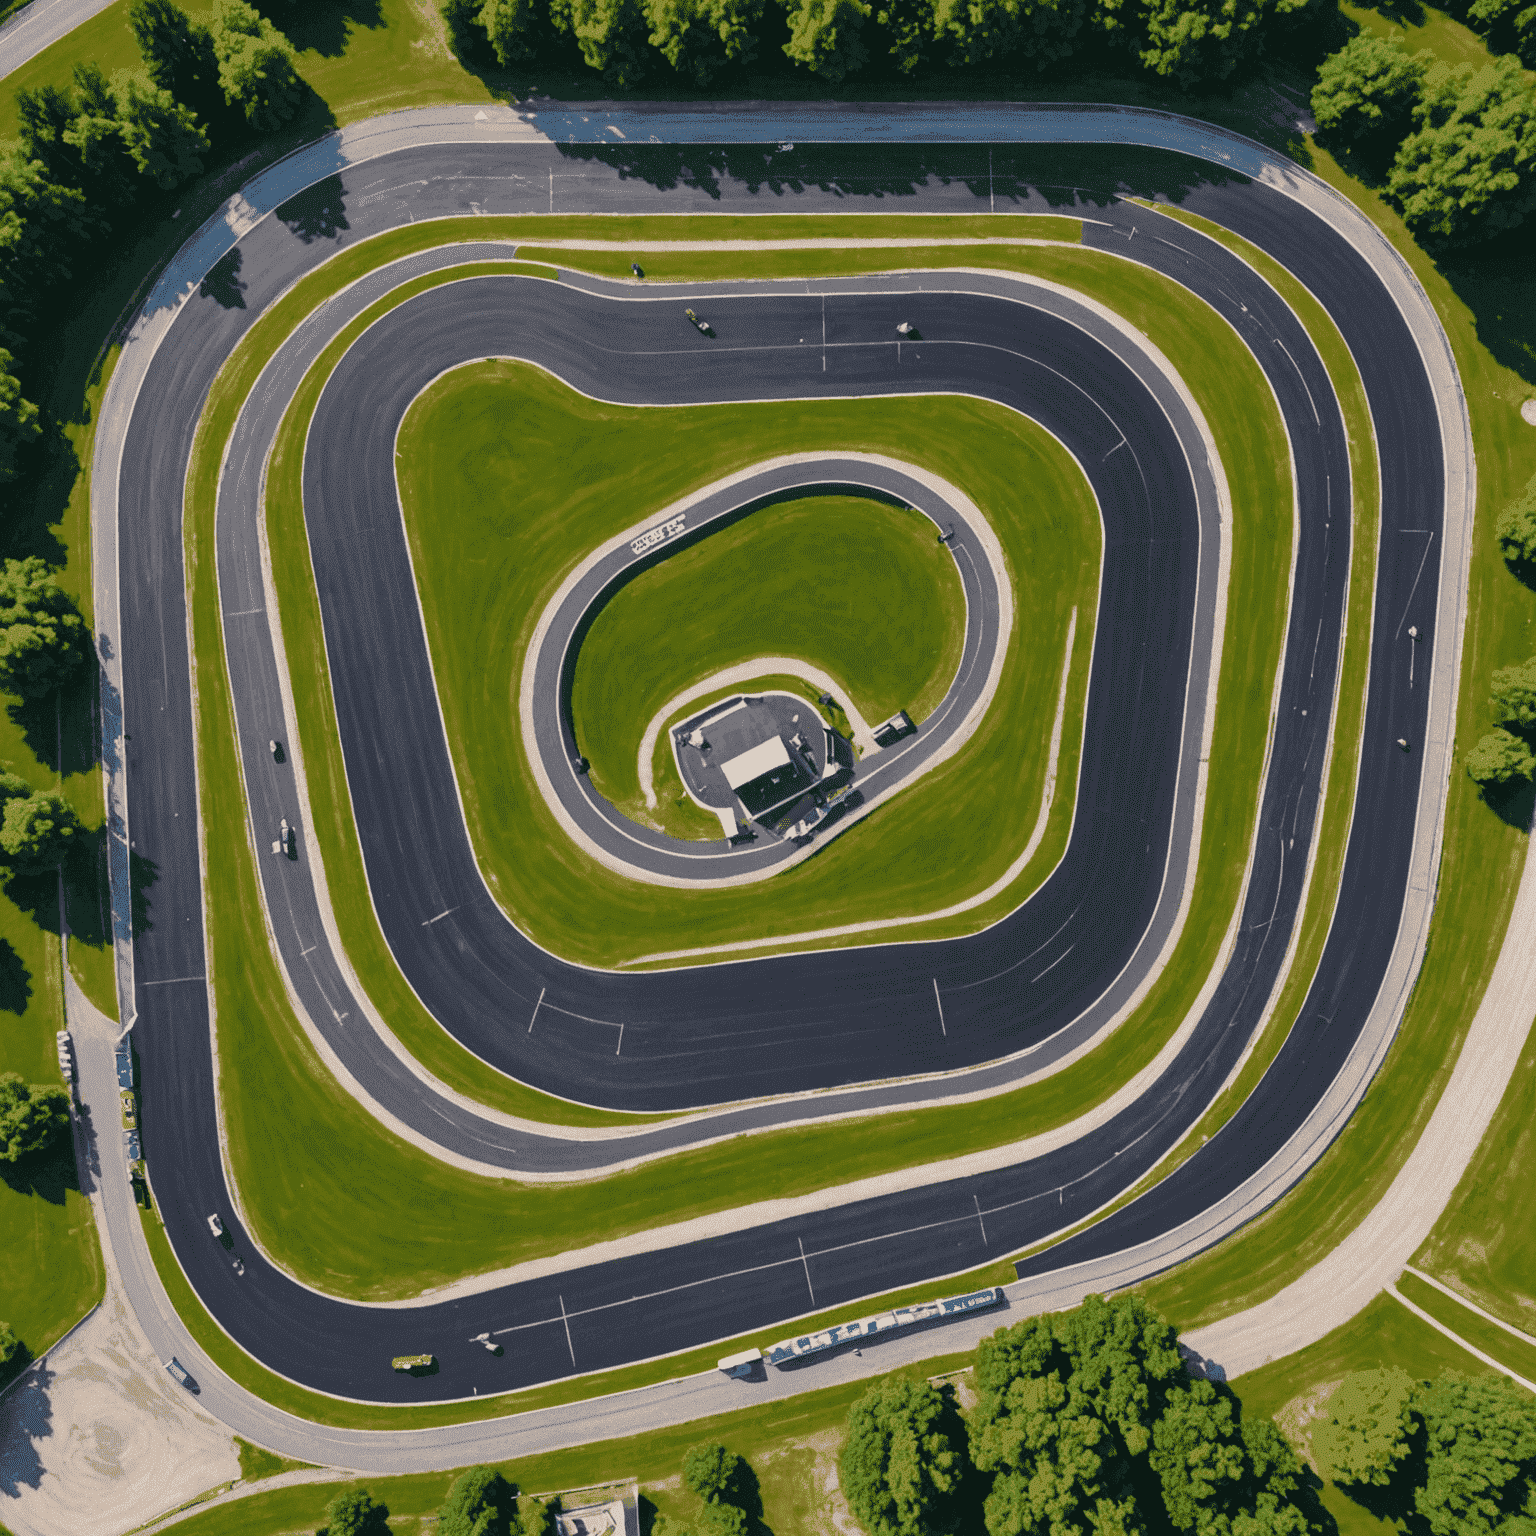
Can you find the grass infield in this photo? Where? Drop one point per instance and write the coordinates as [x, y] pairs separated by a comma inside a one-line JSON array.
[[858, 587]]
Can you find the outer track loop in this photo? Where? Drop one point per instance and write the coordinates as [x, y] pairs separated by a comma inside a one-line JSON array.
[[1371, 1042]]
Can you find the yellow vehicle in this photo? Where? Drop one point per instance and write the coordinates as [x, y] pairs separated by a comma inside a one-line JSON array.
[[414, 1362]]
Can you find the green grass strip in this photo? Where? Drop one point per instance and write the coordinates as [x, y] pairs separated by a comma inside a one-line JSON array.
[[1481, 860], [1514, 1354], [278, 1173]]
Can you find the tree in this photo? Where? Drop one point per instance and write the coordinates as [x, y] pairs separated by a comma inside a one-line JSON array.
[[42, 223], [1366, 93], [19, 427], [43, 113], [1510, 25], [1203, 40], [714, 1473], [479, 1503], [1469, 170], [535, 1517], [512, 27], [30, 1117], [826, 36], [178, 56], [906, 31], [611, 35], [355, 1513], [1365, 1438], [1500, 760], [1218, 1475], [699, 38], [978, 30], [38, 831], [903, 1459], [1516, 529], [95, 133], [256, 70], [165, 138], [1514, 696], [1085, 1416], [1066, 1408], [43, 640], [1480, 1447], [10, 1348]]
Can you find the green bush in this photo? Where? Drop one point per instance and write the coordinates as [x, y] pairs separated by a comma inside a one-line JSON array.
[[1500, 760], [355, 1513], [38, 832], [480, 1503], [1366, 93], [1514, 696], [44, 643], [31, 1118], [1516, 528], [904, 1459]]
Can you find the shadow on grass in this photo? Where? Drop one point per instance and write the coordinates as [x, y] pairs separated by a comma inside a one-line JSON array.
[[50, 1174], [1494, 282], [1514, 806], [323, 26], [15, 980], [60, 728]]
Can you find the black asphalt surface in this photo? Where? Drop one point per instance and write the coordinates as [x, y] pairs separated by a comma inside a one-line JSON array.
[[604, 1315]]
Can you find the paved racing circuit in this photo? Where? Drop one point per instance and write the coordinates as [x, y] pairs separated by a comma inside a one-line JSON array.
[[587, 1318]]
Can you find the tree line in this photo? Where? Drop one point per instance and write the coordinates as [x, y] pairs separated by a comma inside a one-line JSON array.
[[87, 157], [1502, 761], [1190, 42], [1453, 148], [1089, 1422]]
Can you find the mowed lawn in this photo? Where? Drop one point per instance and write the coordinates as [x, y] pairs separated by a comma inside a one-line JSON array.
[[857, 587]]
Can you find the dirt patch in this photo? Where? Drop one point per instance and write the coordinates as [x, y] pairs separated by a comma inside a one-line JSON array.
[[1298, 1417], [99, 1439]]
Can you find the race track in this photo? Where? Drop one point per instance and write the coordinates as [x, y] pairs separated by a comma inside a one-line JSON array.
[[697, 1036]]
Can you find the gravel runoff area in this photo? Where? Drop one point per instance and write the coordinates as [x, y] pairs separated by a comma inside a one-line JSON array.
[[96, 1438]]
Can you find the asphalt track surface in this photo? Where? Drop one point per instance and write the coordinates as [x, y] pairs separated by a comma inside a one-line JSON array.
[[716, 1033], [649, 1305]]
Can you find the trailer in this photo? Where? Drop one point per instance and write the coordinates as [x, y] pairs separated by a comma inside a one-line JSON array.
[[742, 1365], [789, 1350]]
